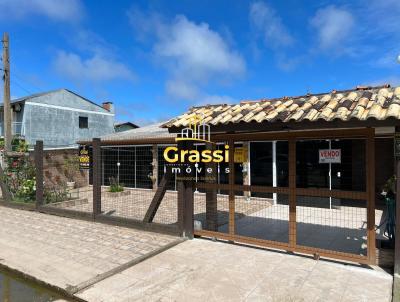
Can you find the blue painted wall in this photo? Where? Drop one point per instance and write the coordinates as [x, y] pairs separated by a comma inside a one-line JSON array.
[[54, 118]]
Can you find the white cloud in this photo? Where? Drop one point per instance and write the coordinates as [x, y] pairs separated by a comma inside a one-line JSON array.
[[192, 53], [95, 68], [197, 51], [60, 10], [94, 60], [334, 26], [266, 21]]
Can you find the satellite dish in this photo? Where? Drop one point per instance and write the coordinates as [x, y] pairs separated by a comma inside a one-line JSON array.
[[398, 59]]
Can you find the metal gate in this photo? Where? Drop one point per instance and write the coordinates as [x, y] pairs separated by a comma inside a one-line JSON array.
[[304, 211]]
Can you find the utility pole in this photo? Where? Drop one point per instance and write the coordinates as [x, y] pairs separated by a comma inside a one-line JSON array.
[[6, 99]]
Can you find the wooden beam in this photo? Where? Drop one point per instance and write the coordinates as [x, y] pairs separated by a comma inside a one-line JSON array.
[[285, 135], [294, 126], [6, 98], [397, 231], [158, 197], [370, 168], [39, 173], [96, 157], [292, 193], [143, 141], [231, 187], [211, 194]]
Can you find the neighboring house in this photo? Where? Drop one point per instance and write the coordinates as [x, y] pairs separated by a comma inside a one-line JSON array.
[[121, 127], [60, 118]]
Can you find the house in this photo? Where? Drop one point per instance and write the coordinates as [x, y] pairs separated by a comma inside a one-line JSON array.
[[120, 127], [59, 118], [308, 178]]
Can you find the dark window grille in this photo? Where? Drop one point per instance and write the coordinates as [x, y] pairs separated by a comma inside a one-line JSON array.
[[83, 122]]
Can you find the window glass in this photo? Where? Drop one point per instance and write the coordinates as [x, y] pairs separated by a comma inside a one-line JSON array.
[[349, 174], [261, 163], [83, 122], [282, 163], [309, 172]]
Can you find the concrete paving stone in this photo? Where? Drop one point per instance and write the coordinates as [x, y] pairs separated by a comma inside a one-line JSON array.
[[62, 251], [202, 270]]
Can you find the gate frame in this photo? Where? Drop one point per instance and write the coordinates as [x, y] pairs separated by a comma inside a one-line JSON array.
[[292, 137]]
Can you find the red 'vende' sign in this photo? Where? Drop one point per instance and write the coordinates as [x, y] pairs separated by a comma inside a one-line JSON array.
[[333, 156]]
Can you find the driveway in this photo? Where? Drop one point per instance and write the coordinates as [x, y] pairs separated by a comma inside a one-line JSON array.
[[68, 253], [202, 270]]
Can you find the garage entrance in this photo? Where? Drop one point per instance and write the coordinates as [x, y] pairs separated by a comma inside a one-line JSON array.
[[293, 193]]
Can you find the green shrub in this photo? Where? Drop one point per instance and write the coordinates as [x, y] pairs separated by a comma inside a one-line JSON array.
[[20, 178], [115, 186]]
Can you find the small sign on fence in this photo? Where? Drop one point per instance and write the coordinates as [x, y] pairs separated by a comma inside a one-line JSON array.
[[330, 156], [84, 158], [240, 155]]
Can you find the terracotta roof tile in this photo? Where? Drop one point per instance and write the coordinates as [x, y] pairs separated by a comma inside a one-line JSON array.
[[362, 103]]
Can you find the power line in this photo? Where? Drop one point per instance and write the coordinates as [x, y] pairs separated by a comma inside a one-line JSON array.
[[21, 79], [13, 81]]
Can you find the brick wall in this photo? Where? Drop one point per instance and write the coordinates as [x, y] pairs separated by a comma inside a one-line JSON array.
[[55, 171]]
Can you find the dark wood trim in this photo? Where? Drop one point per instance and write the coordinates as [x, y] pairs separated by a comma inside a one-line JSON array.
[[144, 141], [157, 198], [397, 231], [321, 133], [292, 194], [231, 144], [170, 229], [66, 213], [356, 195], [39, 172], [211, 194], [370, 169], [96, 159], [189, 209], [294, 126], [180, 187], [284, 246]]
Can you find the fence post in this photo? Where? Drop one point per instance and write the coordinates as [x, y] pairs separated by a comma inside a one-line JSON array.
[[185, 201], [96, 164], [39, 173]]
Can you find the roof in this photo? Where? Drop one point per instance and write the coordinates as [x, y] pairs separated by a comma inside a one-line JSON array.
[[362, 103], [127, 124], [35, 95], [153, 131]]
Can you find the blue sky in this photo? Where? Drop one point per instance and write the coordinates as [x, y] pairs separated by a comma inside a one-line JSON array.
[[155, 59]]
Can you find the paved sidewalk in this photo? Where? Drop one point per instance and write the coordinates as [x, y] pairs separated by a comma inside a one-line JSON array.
[[202, 270], [69, 253]]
